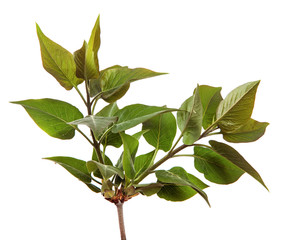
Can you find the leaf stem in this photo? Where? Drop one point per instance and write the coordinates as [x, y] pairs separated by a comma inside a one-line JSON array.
[[81, 95]]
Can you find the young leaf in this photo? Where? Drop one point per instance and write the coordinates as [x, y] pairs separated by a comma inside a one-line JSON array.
[[91, 59], [233, 156], [109, 110], [130, 146], [58, 62], [52, 116], [75, 166], [98, 124], [236, 109], [132, 115], [115, 81], [215, 167], [210, 98], [79, 58], [249, 132], [190, 118], [162, 131], [182, 185]]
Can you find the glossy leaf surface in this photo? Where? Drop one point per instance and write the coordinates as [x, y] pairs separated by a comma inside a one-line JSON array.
[[233, 156], [149, 189], [249, 132], [190, 119], [132, 115], [162, 131], [58, 62], [52, 116], [210, 98], [182, 185], [236, 109]]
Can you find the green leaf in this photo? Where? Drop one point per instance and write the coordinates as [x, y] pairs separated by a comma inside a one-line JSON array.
[[58, 62], [98, 124], [232, 155], [107, 171], [75, 166], [249, 132], [210, 98], [236, 109], [162, 131], [111, 139], [178, 176], [215, 167], [52, 116], [190, 119], [182, 185], [142, 162], [139, 134], [132, 115], [130, 146], [79, 58], [92, 167], [91, 60], [115, 81], [149, 189], [93, 188]]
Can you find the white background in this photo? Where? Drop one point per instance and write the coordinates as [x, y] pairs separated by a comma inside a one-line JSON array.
[[219, 43]]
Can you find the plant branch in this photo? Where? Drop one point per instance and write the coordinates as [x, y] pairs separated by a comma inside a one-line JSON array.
[[119, 207], [81, 95]]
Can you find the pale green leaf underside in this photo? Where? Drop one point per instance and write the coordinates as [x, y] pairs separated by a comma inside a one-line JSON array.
[[96, 123]]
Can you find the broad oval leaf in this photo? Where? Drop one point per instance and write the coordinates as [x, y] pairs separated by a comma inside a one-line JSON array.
[[236, 109], [91, 58], [215, 167], [182, 185], [132, 115], [75, 166], [210, 98], [52, 116], [58, 62], [249, 132], [233, 156], [190, 118], [162, 131], [96, 123], [178, 176]]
